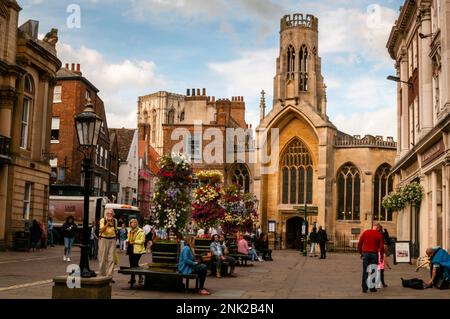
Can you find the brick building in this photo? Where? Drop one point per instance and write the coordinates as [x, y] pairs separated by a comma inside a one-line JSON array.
[[71, 94], [28, 68]]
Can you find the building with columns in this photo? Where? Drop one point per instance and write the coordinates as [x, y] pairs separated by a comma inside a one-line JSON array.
[[28, 68], [418, 43]]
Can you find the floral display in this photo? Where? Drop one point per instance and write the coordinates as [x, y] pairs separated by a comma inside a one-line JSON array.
[[409, 194], [412, 193], [207, 211], [172, 197], [393, 201], [241, 212]]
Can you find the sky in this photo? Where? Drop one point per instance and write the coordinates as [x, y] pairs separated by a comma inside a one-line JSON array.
[[130, 48]]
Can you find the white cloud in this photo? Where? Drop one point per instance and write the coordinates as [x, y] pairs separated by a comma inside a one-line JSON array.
[[120, 83], [380, 122]]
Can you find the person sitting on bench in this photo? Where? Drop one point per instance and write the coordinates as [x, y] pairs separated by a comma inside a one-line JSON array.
[[244, 249], [188, 265], [219, 252], [262, 246], [440, 268]]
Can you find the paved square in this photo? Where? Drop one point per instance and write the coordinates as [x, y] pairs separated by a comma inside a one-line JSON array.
[[290, 275]]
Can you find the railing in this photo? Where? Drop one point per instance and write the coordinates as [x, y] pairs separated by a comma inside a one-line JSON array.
[[343, 243], [5, 148]]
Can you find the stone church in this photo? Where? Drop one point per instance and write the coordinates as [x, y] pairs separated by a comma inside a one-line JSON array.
[[341, 179]]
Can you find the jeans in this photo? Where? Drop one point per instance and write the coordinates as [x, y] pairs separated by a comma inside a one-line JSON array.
[[369, 259], [68, 242], [201, 270], [323, 251], [313, 248], [123, 244], [252, 254], [93, 249], [50, 237]]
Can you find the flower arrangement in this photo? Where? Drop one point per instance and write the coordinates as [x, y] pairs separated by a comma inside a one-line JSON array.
[[172, 196], [393, 201], [211, 177], [240, 210], [408, 194], [207, 211], [412, 193]]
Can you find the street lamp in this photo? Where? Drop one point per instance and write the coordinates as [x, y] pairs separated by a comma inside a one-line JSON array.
[[87, 125], [397, 79], [305, 232]]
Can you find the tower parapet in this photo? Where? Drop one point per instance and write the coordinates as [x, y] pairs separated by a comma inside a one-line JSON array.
[[299, 20]]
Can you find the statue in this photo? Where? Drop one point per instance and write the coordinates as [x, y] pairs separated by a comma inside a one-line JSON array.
[[51, 37]]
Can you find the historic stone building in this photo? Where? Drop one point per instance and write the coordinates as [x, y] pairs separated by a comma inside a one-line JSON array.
[[341, 179], [28, 68], [418, 43]]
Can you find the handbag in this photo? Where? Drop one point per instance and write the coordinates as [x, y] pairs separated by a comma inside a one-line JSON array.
[[207, 257]]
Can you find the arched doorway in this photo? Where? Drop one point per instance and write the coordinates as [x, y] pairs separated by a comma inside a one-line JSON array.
[[293, 232]]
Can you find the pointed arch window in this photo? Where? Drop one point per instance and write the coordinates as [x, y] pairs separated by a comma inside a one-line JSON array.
[[171, 117], [154, 126], [241, 177], [303, 68], [349, 192], [291, 63], [383, 184], [297, 174]]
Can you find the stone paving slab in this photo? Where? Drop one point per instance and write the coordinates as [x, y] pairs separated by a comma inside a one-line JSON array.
[[289, 276]]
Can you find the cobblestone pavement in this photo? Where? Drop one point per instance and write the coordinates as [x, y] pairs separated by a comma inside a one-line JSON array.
[[290, 275]]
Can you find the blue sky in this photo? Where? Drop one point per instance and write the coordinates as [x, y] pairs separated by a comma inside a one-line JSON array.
[[129, 48]]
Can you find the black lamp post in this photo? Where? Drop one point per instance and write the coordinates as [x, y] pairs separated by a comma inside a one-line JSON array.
[[305, 229], [87, 125]]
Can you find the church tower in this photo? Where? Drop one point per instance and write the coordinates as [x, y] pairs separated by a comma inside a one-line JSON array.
[[299, 76]]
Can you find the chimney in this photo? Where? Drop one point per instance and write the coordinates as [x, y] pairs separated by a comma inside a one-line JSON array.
[[193, 92], [67, 66], [78, 68], [198, 92], [73, 67], [214, 99], [188, 92], [204, 91]]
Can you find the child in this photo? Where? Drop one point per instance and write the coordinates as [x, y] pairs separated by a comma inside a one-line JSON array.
[[123, 234], [381, 265]]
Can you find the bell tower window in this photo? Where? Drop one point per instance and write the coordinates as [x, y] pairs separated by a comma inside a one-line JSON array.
[[303, 68], [291, 63]]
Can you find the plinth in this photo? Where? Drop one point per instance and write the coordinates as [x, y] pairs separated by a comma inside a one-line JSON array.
[[88, 288]]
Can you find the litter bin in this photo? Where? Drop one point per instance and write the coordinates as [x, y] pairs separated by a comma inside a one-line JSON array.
[[21, 241]]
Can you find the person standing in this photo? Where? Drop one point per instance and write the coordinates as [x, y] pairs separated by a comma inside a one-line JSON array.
[[36, 235], [123, 235], [69, 230], [322, 239], [50, 231], [313, 241], [136, 247], [107, 244], [93, 252], [369, 245]]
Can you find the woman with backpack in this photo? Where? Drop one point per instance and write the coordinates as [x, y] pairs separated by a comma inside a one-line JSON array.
[[69, 229]]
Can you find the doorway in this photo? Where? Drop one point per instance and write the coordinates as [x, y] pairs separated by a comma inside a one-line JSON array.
[[293, 232]]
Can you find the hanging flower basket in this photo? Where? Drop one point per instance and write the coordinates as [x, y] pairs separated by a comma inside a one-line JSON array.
[[394, 201], [412, 193], [210, 177], [207, 211]]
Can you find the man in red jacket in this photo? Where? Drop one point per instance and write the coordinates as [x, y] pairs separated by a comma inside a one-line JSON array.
[[370, 243]]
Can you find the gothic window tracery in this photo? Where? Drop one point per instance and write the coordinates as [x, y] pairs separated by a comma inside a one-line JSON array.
[[297, 174], [241, 177], [383, 184], [291, 63], [303, 68], [349, 188]]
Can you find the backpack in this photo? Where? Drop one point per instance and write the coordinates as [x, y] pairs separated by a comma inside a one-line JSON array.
[[414, 283]]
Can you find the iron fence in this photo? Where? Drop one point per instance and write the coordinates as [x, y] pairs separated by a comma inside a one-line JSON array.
[[343, 243]]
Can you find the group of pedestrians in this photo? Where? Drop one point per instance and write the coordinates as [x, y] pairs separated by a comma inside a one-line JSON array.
[[318, 237]]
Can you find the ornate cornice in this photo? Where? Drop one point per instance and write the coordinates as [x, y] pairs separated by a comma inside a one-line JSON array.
[[399, 29]]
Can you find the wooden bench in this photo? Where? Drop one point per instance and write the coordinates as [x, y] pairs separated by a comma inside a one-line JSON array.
[[149, 273], [241, 259]]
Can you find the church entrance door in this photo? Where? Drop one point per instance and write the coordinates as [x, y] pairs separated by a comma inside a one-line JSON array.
[[293, 232]]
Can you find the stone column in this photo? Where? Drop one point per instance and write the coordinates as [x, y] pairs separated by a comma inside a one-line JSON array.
[[404, 123], [432, 229], [445, 206], [425, 75]]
